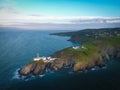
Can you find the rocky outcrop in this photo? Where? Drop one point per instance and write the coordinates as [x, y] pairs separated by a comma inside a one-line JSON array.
[[80, 66], [113, 52], [34, 68], [117, 53], [68, 59], [72, 61], [100, 46]]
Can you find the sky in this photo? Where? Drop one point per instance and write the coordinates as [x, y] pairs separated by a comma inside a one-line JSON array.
[[59, 14]]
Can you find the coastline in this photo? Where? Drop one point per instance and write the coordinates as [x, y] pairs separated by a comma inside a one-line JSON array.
[[67, 57]]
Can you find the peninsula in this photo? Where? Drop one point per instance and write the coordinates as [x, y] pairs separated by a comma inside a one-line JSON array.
[[95, 48]]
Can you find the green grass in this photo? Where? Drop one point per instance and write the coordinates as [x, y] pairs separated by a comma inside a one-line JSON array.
[[93, 44], [91, 49], [81, 54], [88, 53], [40, 62]]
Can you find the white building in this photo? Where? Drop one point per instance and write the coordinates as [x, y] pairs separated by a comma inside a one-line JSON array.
[[45, 59], [82, 46], [37, 58], [78, 47], [75, 47]]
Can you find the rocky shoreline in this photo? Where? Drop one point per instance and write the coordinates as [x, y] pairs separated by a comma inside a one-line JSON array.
[[39, 67], [94, 54]]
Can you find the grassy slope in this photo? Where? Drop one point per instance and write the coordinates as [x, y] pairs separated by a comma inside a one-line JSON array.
[[90, 52], [40, 62]]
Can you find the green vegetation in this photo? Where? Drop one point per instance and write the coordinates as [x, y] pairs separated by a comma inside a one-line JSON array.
[[88, 55], [89, 35], [81, 54], [40, 62], [96, 44]]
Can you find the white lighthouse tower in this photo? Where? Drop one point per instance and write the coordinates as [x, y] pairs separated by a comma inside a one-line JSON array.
[[37, 58]]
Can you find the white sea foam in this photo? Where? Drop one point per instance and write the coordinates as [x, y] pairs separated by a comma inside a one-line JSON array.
[[105, 67], [16, 74], [70, 72], [92, 69], [42, 75]]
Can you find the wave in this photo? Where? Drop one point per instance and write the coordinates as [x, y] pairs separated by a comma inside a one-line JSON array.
[[16, 74]]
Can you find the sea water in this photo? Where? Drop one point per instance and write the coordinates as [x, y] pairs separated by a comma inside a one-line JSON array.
[[19, 47]]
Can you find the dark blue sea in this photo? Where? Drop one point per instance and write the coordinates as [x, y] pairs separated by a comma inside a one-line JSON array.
[[18, 47]]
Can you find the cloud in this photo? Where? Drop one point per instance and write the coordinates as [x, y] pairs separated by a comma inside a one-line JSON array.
[[53, 26], [6, 7], [42, 22], [98, 20], [36, 15]]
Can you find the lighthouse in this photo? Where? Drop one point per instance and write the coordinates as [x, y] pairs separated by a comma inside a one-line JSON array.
[[38, 55], [37, 58]]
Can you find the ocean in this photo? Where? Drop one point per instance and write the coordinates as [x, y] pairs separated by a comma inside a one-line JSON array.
[[19, 47]]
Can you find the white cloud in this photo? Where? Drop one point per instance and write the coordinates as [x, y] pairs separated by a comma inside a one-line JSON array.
[[6, 7], [8, 19]]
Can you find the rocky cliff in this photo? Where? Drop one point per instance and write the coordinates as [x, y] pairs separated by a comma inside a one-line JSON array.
[[34, 68], [100, 47], [76, 60]]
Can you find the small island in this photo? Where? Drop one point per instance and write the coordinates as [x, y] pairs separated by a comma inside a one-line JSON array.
[[95, 48]]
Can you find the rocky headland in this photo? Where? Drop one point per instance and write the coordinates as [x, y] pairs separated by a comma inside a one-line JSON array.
[[96, 48]]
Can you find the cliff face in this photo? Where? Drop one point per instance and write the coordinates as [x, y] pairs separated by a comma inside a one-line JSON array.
[[116, 53], [98, 48], [76, 60], [34, 68], [111, 52], [79, 60]]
